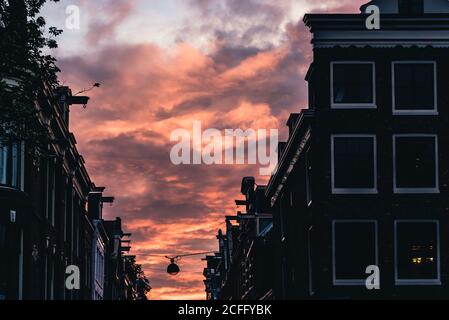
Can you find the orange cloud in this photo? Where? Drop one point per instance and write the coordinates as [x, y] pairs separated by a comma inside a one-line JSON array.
[[147, 92]]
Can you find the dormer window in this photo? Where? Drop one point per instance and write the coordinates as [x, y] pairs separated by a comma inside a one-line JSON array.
[[411, 7]]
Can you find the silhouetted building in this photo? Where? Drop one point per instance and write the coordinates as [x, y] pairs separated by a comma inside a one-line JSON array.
[[121, 282], [51, 214], [43, 209], [212, 273], [363, 177], [243, 267]]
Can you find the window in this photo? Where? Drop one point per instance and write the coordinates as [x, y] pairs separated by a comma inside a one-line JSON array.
[[353, 85], [415, 163], [10, 165], [417, 252], [354, 249], [414, 87], [354, 164]]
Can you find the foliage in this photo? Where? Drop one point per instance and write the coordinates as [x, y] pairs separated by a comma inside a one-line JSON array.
[[138, 277], [25, 70]]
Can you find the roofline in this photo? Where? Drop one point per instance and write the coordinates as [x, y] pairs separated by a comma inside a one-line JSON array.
[[305, 114], [310, 18]]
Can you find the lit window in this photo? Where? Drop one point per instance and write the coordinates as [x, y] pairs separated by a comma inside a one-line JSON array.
[[354, 249], [415, 164], [417, 252], [414, 88], [353, 85], [354, 164]]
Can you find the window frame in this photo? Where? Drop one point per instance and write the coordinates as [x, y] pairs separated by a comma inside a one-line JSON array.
[[352, 282], [345, 105], [433, 190], [13, 165], [431, 112], [417, 282], [374, 189]]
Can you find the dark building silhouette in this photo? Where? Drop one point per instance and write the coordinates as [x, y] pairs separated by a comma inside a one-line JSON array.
[[212, 274], [363, 177], [243, 267], [122, 282], [362, 180], [51, 218]]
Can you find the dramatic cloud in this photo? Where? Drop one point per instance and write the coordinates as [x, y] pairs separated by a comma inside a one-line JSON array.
[[109, 15], [235, 64]]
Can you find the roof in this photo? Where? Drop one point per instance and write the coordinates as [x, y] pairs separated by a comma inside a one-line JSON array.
[[346, 30]]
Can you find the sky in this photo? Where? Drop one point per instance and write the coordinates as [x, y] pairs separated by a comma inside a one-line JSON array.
[[162, 64]]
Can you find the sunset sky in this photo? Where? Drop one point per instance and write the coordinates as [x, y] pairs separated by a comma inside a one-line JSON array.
[[164, 64]]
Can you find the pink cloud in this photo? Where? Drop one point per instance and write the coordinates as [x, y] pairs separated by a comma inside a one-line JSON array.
[[149, 91]]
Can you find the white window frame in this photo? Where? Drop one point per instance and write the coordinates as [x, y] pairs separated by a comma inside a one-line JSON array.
[[335, 190], [351, 282], [435, 189], [433, 111], [371, 105], [416, 282]]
